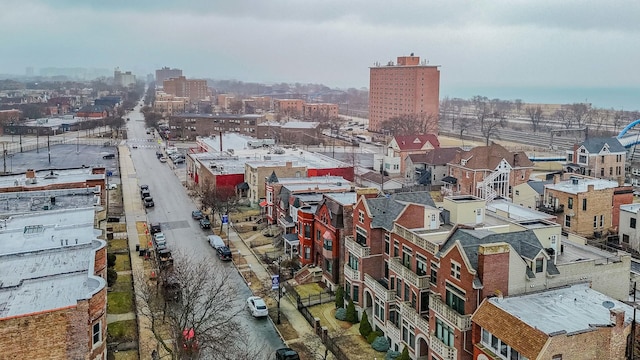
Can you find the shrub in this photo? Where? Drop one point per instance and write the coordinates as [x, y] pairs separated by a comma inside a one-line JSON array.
[[112, 276], [111, 260], [380, 344], [391, 355], [404, 355], [352, 314], [339, 297], [365, 327], [341, 314]]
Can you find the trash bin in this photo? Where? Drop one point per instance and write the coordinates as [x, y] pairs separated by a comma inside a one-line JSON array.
[[142, 252], [137, 247]]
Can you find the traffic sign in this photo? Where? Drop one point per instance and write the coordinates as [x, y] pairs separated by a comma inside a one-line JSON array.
[[109, 173], [225, 219], [275, 282]]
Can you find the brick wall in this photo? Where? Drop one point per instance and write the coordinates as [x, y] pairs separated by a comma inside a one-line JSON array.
[[493, 268], [412, 217]]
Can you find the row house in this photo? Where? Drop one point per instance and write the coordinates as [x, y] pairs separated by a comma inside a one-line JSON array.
[[572, 322], [603, 158], [586, 206], [487, 172], [402, 146], [421, 279], [629, 230]]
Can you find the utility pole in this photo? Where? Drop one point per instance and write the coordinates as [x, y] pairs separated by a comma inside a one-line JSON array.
[[632, 346], [49, 148], [279, 288]]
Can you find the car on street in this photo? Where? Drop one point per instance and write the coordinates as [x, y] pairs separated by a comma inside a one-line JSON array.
[[197, 214], [215, 241], [135, 146], [257, 307], [160, 239], [224, 253], [145, 194], [205, 223], [112, 186], [109, 156], [287, 354], [178, 161], [163, 159], [148, 202], [155, 228], [144, 187]]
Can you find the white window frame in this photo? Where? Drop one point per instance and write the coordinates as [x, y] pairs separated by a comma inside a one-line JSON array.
[[456, 270], [95, 343]]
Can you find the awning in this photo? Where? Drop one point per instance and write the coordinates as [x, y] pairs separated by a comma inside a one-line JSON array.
[[263, 203], [450, 180], [291, 239]]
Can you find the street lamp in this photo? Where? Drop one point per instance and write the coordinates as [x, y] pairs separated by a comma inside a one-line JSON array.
[[279, 288]]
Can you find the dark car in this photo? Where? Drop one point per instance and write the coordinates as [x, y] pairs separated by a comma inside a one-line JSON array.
[[205, 223], [287, 354], [148, 202], [197, 214], [109, 156], [145, 194], [224, 253], [144, 187], [155, 228]]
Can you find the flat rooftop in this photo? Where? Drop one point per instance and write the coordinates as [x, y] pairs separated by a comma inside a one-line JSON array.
[[516, 212], [298, 157], [47, 261], [571, 309], [347, 198], [50, 177], [582, 185], [633, 208], [572, 253], [14, 203]]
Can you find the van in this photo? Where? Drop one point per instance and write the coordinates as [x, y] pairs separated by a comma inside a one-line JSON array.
[[215, 241]]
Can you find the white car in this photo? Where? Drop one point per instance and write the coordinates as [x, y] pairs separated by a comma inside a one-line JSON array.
[[159, 238], [112, 186], [257, 306]]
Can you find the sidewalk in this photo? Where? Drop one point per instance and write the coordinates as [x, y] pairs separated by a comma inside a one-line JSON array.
[[134, 212], [298, 322]]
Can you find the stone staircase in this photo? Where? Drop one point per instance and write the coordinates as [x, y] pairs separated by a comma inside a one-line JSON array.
[[308, 274]]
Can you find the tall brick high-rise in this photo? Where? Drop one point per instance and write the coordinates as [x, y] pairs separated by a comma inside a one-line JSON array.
[[406, 87]]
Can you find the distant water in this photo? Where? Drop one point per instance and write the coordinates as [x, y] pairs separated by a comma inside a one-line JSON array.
[[617, 97]]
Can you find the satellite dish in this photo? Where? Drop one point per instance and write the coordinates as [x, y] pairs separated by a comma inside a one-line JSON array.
[[608, 304]]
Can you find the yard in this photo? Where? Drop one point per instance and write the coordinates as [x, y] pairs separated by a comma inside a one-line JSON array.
[[118, 244], [122, 331], [120, 302], [123, 262]]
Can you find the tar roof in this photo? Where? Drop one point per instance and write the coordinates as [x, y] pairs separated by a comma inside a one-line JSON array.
[[385, 209], [581, 185], [30, 201], [570, 309], [47, 261]]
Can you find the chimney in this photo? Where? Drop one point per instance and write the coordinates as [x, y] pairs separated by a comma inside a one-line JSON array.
[[590, 188], [31, 174], [617, 317], [556, 178], [493, 268]]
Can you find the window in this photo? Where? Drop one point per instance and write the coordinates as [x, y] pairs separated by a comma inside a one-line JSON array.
[[386, 244], [455, 270], [393, 316], [517, 192], [444, 333], [632, 223], [611, 170], [497, 346], [567, 221], [356, 293], [361, 235], [434, 273], [570, 203], [455, 298], [407, 291], [398, 287], [307, 252], [97, 333], [625, 238], [595, 221], [347, 289], [328, 244], [328, 266], [396, 249], [570, 157], [584, 204], [406, 257], [539, 265], [424, 302], [353, 261], [361, 216], [421, 265], [307, 231], [601, 171], [556, 357]]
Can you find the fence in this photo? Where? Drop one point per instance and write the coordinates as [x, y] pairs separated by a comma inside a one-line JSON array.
[[328, 342]]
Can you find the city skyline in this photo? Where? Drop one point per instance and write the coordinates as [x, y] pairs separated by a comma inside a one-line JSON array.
[[502, 45]]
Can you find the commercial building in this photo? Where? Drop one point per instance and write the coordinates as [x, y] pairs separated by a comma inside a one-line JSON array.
[[405, 87], [194, 89], [52, 286], [166, 73]]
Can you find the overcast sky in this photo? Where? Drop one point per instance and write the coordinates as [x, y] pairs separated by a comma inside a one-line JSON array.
[[478, 43]]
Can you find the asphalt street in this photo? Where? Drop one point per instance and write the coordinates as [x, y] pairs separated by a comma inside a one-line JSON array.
[[173, 211]]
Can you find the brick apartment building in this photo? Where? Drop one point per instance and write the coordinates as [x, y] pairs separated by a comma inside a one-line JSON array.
[[315, 111], [190, 126], [406, 87], [194, 89], [487, 172], [602, 158], [586, 206], [289, 107], [53, 287], [10, 116], [166, 73]]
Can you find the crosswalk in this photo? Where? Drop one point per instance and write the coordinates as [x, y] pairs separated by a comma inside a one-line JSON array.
[[143, 143]]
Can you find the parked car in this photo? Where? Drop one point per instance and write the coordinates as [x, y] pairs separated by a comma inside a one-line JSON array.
[[197, 214], [224, 253], [159, 239], [215, 241], [163, 159], [109, 156], [178, 161], [287, 354], [112, 186], [144, 187], [148, 202], [155, 228], [205, 223], [145, 194], [257, 307]]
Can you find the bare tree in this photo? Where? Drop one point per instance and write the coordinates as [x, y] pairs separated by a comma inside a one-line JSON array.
[[464, 124], [200, 319], [619, 118], [218, 199], [411, 124], [518, 104], [535, 116], [564, 116], [599, 117], [580, 113]]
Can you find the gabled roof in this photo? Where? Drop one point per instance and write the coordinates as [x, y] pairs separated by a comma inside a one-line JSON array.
[[525, 243], [538, 186], [437, 156], [595, 145], [416, 142], [385, 209], [273, 178], [488, 157]]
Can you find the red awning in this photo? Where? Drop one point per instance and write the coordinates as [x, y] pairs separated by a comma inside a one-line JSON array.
[[263, 203]]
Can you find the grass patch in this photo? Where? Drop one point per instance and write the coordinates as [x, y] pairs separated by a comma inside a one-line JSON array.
[[122, 262], [120, 302], [118, 244], [122, 331], [124, 283], [308, 289], [126, 355]]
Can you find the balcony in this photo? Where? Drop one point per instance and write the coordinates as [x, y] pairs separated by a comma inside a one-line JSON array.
[[393, 332], [410, 314], [462, 322], [444, 351], [410, 236], [350, 273], [378, 289], [420, 282], [355, 248], [550, 209]]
